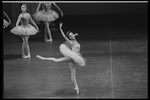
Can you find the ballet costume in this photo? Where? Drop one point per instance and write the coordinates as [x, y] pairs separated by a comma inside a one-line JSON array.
[[5, 23], [72, 51], [46, 14], [25, 28]]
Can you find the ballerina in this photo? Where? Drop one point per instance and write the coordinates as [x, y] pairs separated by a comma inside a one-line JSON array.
[[47, 15], [71, 51], [25, 30], [5, 23]]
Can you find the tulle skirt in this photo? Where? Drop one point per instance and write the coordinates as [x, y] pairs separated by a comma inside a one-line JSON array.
[[24, 30], [5, 23], [43, 15], [76, 57]]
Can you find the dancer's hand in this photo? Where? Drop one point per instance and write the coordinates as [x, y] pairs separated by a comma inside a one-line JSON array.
[[9, 22], [62, 14], [61, 24], [37, 29], [40, 57]]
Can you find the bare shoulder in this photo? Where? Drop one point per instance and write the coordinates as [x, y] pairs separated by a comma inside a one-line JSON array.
[[28, 14], [20, 15]]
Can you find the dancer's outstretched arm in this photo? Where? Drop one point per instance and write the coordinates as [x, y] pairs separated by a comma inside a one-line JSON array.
[[7, 17], [58, 9], [38, 7], [64, 34]]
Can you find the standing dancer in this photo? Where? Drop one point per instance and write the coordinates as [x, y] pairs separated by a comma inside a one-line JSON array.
[[46, 15], [24, 30], [71, 51], [5, 23]]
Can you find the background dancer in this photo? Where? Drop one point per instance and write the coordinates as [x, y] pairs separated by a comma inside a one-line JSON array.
[[24, 30], [5, 22], [47, 15]]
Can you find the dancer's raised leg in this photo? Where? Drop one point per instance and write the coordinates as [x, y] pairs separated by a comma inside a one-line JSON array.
[[58, 60]]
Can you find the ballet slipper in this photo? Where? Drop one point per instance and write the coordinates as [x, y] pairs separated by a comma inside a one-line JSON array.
[[28, 56], [48, 40], [77, 89], [45, 40], [40, 57]]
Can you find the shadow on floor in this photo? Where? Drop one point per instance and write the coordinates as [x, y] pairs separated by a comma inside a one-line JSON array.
[[65, 92], [12, 56]]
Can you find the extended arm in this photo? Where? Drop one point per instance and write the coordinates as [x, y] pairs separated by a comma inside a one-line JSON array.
[[58, 8], [64, 34], [7, 17], [38, 7]]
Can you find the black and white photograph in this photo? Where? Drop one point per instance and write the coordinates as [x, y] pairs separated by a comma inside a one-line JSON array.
[[75, 49]]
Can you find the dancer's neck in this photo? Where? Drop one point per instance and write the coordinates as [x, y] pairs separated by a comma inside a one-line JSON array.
[[23, 12]]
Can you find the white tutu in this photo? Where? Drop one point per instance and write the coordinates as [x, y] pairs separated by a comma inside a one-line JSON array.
[[5, 23], [43, 15], [24, 30], [76, 57]]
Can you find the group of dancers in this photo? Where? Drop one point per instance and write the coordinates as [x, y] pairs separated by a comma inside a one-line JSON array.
[[70, 48]]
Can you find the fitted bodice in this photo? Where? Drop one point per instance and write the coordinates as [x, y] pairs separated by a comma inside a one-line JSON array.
[[76, 47], [46, 6], [25, 19]]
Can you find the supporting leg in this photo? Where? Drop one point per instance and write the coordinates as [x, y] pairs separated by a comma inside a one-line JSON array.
[[73, 76], [23, 47], [47, 32], [27, 46]]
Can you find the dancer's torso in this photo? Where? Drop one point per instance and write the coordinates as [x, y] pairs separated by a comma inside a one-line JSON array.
[[46, 7], [25, 19], [74, 46]]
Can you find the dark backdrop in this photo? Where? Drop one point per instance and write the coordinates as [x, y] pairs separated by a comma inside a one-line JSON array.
[[73, 9]]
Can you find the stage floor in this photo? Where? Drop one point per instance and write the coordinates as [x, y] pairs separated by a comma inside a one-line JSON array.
[[116, 66]]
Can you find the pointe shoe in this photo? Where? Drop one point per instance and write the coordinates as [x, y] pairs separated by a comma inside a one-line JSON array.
[[77, 89], [39, 57], [25, 56], [29, 56]]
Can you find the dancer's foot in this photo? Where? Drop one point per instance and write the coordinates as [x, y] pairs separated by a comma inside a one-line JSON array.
[[48, 40], [28, 56], [77, 89], [40, 57], [45, 40]]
